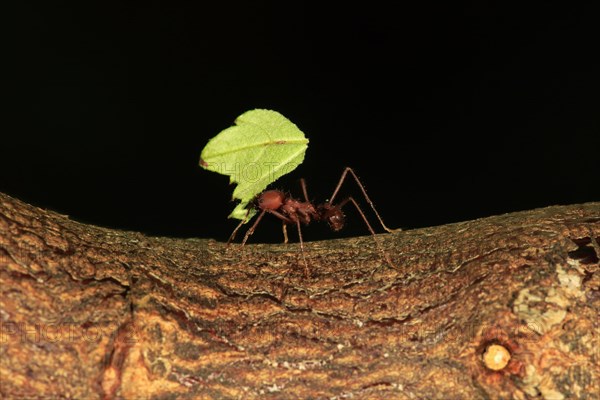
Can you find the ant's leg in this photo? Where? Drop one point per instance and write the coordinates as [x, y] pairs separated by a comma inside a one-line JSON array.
[[237, 228], [280, 216], [304, 191], [285, 220], [362, 214], [284, 229], [302, 249], [364, 192], [253, 227]]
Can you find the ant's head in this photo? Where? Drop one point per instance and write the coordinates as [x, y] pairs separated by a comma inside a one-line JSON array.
[[270, 200], [333, 215]]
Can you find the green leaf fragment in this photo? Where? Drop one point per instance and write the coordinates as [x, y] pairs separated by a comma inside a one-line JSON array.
[[261, 147]]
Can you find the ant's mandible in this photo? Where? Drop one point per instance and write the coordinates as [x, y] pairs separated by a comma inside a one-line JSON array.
[[293, 211]]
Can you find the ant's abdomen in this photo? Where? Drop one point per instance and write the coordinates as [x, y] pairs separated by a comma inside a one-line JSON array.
[[270, 200]]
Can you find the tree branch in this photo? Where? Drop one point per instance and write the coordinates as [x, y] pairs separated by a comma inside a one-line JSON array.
[[88, 312]]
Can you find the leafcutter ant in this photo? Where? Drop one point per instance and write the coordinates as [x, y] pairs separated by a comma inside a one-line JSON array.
[[293, 211]]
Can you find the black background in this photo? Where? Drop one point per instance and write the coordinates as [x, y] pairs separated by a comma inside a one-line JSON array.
[[448, 111]]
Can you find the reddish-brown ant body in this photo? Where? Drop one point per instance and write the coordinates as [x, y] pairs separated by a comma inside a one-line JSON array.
[[293, 211]]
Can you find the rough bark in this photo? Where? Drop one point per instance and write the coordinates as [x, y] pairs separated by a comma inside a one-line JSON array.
[[88, 312]]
